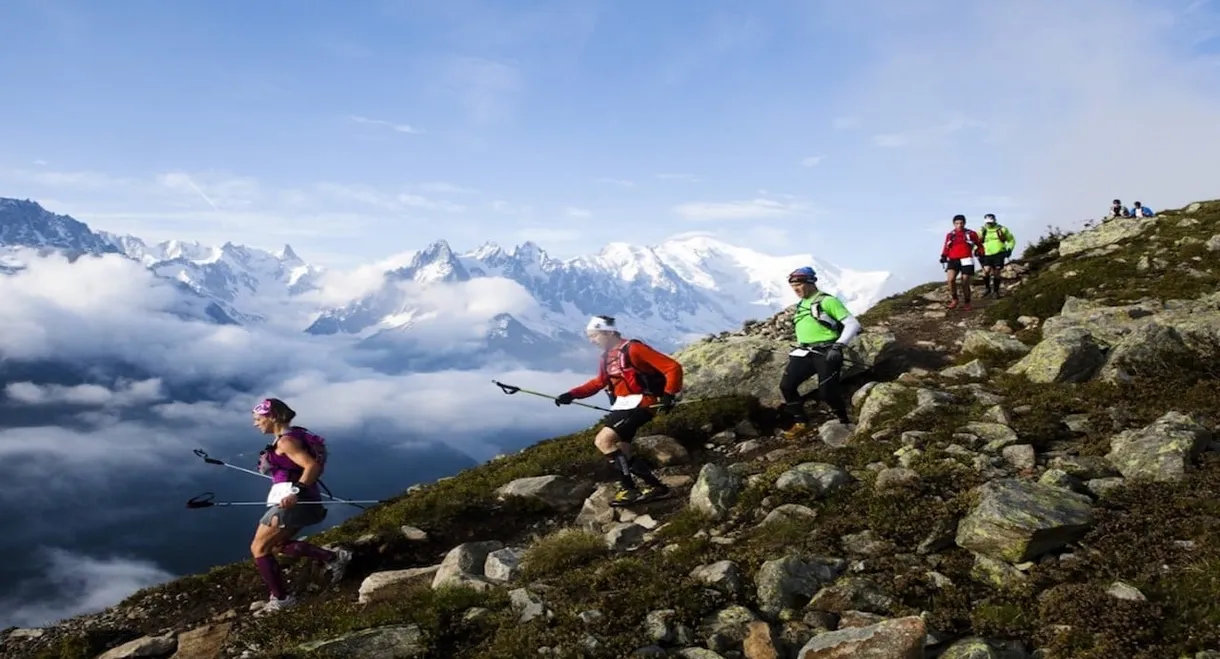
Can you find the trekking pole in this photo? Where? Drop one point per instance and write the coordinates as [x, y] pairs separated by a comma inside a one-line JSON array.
[[206, 500], [846, 359], [510, 389], [325, 490]]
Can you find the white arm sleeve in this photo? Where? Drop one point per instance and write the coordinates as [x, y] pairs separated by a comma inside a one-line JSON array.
[[851, 328]]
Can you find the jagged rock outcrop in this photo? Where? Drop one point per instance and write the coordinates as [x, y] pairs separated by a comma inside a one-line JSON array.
[[750, 361], [1088, 339]]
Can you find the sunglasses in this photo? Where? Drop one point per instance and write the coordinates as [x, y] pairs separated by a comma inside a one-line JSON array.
[[799, 280]]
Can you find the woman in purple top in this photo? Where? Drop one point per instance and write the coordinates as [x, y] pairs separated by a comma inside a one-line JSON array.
[[294, 460]]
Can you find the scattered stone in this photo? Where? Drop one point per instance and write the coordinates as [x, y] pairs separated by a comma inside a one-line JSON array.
[[389, 584], [899, 638], [556, 492], [503, 564], [791, 581], [1020, 456], [895, 477], [1124, 591], [819, 478], [665, 450], [723, 576], [981, 342], [463, 565], [413, 534], [625, 536], [145, 646], [790, 512], [1016, 520], [390, 642], [1161, 451], [528, 605], [716, 490]]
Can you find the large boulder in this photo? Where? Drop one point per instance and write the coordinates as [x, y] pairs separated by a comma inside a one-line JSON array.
[[751, 362], [1088, 339], [556, 492], [1107, 233], [1160, 451], [1072, 355], [1016, 520]]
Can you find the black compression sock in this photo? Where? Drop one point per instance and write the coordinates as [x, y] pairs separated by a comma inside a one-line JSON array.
[[621, 465], [640, 468]]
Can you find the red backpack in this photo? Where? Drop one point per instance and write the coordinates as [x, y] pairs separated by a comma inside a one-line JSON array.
[[644, 380]]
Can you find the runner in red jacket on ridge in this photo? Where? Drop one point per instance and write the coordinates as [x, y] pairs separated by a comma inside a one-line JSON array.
[[957, 255]]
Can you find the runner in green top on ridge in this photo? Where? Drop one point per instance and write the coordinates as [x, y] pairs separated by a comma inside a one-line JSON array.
[[823, 329]]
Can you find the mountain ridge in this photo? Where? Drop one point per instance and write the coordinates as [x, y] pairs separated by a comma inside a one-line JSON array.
[[670, 293]]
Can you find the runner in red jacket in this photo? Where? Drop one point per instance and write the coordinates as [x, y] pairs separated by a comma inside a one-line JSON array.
[[636, 377], [957, 255]]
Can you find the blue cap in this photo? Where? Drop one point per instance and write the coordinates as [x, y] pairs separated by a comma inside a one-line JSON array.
[[802, 273]]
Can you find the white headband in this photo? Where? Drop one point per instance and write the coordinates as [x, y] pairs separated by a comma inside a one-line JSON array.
[[600, 324]]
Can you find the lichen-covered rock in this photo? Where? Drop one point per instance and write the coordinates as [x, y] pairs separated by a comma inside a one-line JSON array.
[[982, 342], [716, 490], [751, 362], [1160, 451], [899, 638], [1147, 349], [723, 576], [1072, 355], [390, 642], [881, 399], [1107, 233], [1015, 520], [971, 648], [463, 565], [818, 478], [791, 581]]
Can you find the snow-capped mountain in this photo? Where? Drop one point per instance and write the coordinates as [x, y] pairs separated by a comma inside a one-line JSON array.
[[670, 294], [251, 283], [435, 308], [28, 231]]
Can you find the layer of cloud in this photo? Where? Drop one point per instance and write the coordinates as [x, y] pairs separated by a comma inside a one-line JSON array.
[[685, 178], [77, 583], [125, 393]]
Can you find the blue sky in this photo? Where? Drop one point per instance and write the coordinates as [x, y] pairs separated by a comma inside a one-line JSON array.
[[850, 130]]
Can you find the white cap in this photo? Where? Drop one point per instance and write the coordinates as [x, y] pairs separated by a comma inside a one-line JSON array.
[[601, 324]]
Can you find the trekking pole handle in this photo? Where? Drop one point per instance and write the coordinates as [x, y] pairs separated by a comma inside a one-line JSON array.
[[203, 454], [506, 388]]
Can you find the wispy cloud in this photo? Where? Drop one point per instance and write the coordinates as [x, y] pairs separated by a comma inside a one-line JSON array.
[[442, 187], [397, 128], [686, 178], [739, 210], [811, 161], [616, 181], [577, 213]]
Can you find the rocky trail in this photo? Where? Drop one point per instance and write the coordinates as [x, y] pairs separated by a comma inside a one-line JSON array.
[[1033, 479]]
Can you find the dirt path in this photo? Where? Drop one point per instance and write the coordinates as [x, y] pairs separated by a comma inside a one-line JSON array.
[[928, 333]]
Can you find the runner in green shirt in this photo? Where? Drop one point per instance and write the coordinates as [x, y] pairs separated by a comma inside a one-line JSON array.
[[823, 328], [998, 243]]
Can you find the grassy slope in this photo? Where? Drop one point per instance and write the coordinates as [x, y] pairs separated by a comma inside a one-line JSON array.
[[1141, 538]]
